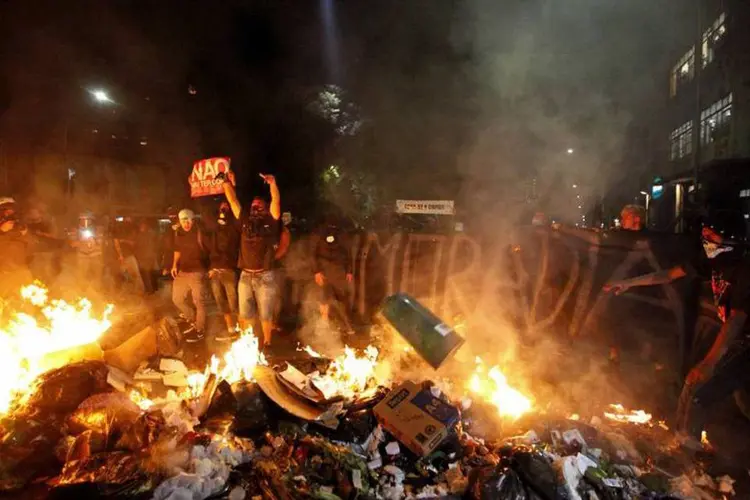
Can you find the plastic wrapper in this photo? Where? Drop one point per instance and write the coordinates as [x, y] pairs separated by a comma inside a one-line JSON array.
[[109, 413], [115, 467], [168, 335], [62, 390], [143, 433], [492, 484]]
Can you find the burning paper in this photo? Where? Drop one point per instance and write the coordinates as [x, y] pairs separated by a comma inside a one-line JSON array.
[[349, 375], [28, 339], [493, 387], [620, 414]]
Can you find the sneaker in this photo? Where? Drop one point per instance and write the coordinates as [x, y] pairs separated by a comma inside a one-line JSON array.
[[226, 336], [192, 335]]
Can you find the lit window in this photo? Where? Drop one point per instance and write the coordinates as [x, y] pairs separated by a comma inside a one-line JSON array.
[[745, 193], [716, 119], [682, 72], [711, 38], [681, 141]]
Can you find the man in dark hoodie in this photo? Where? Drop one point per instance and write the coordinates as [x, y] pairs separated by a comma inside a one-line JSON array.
[[333, 270], [223, 253]]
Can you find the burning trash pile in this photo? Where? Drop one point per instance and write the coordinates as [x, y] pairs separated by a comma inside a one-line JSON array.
[[315, 427]]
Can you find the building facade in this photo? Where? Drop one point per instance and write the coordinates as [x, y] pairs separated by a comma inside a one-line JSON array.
[[708, 103]]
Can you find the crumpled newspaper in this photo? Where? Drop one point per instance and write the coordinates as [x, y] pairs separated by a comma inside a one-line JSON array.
[[208, 470]]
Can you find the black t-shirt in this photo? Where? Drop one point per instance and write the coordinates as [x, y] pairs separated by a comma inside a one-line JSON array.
[[225, 245], [191, 248], [259, 238], [329, 249]]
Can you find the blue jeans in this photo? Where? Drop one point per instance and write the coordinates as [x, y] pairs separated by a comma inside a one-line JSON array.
[[224, 288], [258, 294], [193, 286]]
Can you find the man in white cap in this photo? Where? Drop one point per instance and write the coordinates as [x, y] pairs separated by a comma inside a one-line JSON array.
[[189, 267]]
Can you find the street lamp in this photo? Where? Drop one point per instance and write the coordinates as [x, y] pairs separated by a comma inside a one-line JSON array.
[[571, 151], [101, 96]]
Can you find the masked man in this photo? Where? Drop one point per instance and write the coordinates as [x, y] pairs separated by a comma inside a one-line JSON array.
[[260, 237], [223, 252], [332, 265], [189, 273], [724, 369]]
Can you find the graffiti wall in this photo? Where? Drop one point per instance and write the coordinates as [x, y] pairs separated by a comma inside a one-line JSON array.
[[543, 281]]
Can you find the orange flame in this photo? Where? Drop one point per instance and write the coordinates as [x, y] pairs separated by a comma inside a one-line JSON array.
[[237, 364], [493, 387], [349, 375], [26, 339], [620, 414]]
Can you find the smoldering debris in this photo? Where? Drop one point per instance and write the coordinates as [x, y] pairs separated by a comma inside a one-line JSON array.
[[445, 449]]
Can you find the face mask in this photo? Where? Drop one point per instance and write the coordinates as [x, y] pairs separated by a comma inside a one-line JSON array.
[[714, 249], [223, 217]]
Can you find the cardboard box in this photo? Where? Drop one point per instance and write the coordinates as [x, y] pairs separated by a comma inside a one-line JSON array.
[[416, 418]]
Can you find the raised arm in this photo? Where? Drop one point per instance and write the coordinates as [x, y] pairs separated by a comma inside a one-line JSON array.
[[231, 194], [275, 208]]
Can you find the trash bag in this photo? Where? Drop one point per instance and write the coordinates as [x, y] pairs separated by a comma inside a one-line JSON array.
[[143, 433], [60, 391], [495, 484], [254, 410], [27, 451], [110, 413], [219, 418], [86, 444], [116, 467], [538, 474], [134, 490]]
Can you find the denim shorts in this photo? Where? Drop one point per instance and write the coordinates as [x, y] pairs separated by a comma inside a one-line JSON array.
[[258, 294]]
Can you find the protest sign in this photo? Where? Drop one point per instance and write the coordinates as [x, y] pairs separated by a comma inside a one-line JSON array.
[[203, 180]]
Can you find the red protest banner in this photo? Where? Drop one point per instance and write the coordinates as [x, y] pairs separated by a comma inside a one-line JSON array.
[[203, 178]]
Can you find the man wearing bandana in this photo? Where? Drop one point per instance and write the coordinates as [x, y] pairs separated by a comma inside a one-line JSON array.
[[724, 369], [332, 266], [260, 246]]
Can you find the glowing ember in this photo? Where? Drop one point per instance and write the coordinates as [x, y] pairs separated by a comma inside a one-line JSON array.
[[349, 375], [704, 440], [493, 387], [26, 339], [620, 414], [309, 350]]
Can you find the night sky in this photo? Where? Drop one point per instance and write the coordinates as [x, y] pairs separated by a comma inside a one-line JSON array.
[[450, 94]]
